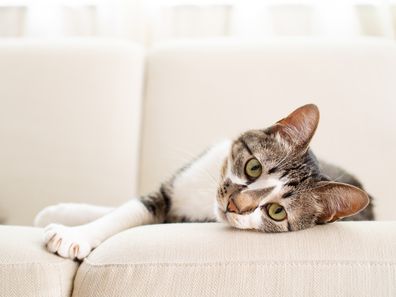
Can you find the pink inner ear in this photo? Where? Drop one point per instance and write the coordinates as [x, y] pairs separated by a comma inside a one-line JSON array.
[[299, 127], [340, 201]]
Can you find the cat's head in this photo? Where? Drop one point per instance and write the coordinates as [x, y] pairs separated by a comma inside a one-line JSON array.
[[271, 181]]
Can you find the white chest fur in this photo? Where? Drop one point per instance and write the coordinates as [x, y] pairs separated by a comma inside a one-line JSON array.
[[194, 190]]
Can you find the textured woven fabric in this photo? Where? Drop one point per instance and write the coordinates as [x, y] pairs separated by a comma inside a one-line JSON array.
[[340, 259], [28, 270]]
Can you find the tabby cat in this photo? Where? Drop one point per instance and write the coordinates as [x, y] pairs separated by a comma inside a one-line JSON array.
[[268, 180]]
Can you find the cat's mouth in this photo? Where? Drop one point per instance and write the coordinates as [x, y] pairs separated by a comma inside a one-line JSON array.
[[236, 220], [222, 215], [231, 218], [227, 217]]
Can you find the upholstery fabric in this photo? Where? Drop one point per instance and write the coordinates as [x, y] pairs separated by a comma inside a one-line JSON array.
[[69, 123], [340, 259], [213, 90], [28, 270]]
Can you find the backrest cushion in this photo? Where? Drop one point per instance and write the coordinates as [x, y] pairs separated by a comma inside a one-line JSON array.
[[199, 93], [69, 123]]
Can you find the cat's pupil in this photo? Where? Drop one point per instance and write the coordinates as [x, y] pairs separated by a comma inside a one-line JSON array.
[[278, 210], [255, 167]]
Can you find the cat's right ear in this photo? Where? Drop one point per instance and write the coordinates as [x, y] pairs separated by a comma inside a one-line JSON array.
[[298, 127], [339, 201]]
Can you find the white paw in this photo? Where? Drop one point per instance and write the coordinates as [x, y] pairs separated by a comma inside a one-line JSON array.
[[67, 242]]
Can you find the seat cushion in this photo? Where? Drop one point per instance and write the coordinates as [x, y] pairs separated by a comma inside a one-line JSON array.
[[211, 259], [27, 269]]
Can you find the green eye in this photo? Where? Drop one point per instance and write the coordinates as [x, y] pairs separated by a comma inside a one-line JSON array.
[[253, 168], [276, 211]]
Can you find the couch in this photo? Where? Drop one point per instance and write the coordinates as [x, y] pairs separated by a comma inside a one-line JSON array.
[[101, 121]]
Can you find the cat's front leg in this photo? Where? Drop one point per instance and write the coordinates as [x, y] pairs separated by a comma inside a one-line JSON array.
[[70, 214], [77, 242]]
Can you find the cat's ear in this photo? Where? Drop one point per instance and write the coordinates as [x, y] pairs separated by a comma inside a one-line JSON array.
[[340, 201], [298, 127]]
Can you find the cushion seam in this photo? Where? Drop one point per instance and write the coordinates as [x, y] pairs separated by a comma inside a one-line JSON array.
[[37, 263], [269, 263], [76, 290]]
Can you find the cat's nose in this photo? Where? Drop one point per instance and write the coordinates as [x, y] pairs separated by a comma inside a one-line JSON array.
[[231, 207], [242, 203]]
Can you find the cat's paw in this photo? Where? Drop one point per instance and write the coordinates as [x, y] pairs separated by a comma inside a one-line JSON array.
[[67, 242]]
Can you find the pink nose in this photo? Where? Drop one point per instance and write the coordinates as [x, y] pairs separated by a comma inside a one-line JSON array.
[[231, 207]]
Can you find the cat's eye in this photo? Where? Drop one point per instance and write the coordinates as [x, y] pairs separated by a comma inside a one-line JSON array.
[[253, 168], [276, 211]]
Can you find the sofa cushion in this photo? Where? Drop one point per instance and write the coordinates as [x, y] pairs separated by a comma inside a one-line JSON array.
[[340, 259], [28, 270]]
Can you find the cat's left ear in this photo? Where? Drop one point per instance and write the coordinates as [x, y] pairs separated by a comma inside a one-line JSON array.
[[340, 201], [298, 127]]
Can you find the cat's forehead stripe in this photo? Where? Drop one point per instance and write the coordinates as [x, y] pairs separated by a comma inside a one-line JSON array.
[[287, 194], [245, 145], [273, 170]]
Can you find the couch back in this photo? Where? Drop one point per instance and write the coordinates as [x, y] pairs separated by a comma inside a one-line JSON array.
[[69, 124], [199, 93]]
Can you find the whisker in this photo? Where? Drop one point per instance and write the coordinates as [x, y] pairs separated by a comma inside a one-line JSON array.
[[191, 160], [281, 161], [339, 177]]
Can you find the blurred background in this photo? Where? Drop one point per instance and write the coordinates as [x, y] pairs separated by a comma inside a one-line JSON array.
[[151, 21], [101, 100]]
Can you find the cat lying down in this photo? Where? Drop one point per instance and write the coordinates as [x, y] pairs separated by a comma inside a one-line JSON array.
[[268, 180]]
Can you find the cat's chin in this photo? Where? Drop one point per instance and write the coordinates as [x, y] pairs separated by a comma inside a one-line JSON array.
[[245, 222], [221, 215], [230, 219]]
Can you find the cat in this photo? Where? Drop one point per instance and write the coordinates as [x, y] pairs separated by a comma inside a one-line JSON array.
[[268, 180]]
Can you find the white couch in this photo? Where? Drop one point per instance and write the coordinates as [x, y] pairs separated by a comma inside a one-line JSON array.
[[75, 122]]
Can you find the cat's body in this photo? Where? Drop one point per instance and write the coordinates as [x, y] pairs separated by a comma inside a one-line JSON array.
[[190, 191], [262, 181]]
